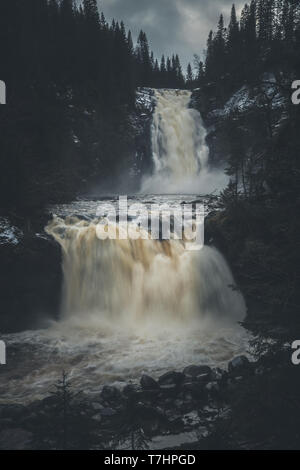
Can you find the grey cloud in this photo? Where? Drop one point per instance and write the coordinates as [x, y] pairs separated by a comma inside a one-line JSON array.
[[179, 26]]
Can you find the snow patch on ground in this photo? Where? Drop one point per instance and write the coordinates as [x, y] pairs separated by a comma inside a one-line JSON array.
[[145, 99], [9, 233], [245, 99]]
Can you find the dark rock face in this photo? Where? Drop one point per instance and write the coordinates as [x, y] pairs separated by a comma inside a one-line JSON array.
[[148, 383], [240, 105], [31, 281]]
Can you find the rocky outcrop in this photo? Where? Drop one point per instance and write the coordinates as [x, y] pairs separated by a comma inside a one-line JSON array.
[[256, 110], [30, 275], [141, 120]]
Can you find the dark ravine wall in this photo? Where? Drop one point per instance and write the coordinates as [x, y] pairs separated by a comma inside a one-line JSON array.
[[30, 277], [242, 118], [257, 233]]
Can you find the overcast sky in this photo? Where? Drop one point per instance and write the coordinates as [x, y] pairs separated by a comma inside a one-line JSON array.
[[179, 26]]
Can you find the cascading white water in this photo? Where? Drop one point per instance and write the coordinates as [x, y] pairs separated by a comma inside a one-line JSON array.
[[179, 149], [142, 282]]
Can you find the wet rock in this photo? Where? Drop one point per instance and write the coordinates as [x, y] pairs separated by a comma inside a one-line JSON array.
[[168, 387], [130, 390], [111, 394], [195, 371], [218, 375], [15, 439], [171, 378], [194, 390], [148, 383], [203, 378], [213, 387], [240, 365]]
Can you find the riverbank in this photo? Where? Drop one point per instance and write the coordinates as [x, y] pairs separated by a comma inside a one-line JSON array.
[[177, 407], [250, 405]]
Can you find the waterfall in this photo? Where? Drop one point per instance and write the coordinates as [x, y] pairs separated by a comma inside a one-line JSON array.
[[179, 149], [141, 282], [126, 285]]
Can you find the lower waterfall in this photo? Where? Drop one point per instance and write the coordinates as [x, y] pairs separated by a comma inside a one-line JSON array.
[[142, 282]]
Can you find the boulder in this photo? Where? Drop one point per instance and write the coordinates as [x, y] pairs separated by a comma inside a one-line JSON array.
[[202, 378], [148, 383], [195, 371], [171, 378], [111, 394], [130, 390]]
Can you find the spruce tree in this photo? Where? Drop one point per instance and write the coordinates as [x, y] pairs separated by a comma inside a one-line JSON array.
[[189, 76]]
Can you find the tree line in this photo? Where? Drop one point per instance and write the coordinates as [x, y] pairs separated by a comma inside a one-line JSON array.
[[58, 42], [71, 80], [267, 36]]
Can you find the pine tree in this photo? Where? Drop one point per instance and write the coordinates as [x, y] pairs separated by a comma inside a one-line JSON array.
[[130, 42], [189, 76], [91, 12], [233, 30], [144, 59], [209, 62], [233, 42], [163, 65], [219, 49]]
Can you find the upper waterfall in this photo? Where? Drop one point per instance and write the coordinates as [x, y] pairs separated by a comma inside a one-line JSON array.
[[179, 150]]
